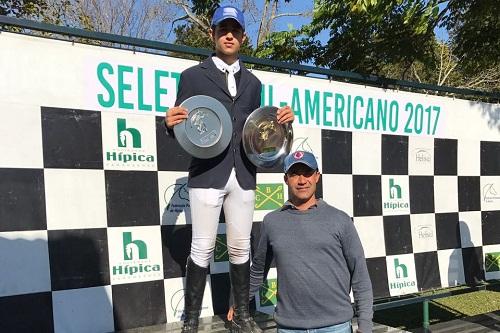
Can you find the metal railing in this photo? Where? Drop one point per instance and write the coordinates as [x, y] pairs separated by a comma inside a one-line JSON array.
[[345, 76], [428, 296]]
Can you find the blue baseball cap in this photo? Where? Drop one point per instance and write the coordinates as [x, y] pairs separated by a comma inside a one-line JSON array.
[[228, 12], [303, 157]]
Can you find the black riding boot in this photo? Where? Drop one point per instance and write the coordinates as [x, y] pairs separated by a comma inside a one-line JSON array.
[[240, 281], [193, 295]]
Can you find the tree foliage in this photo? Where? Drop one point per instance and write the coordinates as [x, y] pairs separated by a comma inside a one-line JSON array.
[[392, 38], [474, 28], [196, 16], [396, 39], [193, 35], [49, 11], [22, 8], [365, 35]]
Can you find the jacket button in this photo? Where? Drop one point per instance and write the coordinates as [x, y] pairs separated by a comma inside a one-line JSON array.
[[234, 118]]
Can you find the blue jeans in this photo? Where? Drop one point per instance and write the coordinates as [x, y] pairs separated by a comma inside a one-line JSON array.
[[339, 328]]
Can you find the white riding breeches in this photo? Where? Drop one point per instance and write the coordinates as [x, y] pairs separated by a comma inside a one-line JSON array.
[[206, 204]]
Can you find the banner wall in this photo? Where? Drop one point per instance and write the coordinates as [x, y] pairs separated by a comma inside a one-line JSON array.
[[94, 213]]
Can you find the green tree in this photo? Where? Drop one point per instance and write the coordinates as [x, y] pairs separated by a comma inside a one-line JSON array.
[[194, 31], [48, 11], [441, 70], [396, 39], [194, 35], [22, 8], [474, 27], [196, 16], [366, 35]]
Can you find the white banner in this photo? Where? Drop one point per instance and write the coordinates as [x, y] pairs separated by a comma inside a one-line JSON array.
[[97, 78]]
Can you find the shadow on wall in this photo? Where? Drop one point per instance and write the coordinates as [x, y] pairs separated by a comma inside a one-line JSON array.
[[472, 258], [69, 293], [491, 112], [177, 237], [177, 201]]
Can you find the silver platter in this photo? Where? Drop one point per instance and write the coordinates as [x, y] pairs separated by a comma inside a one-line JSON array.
[[208, 129], [265, 141]]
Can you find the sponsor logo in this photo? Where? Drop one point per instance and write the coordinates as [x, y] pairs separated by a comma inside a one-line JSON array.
[[401, 284], [127, 137], [400, 269], [176, 196], [396, 201], [302, 144], [401, 274], [269, 196], [125, 157], [136, 249], [220, 252], [422, 155], [425, 231], [394, 190], [177, 304], [135, 256], [129, 147], [268, 292], [490, 193], [492, 262]]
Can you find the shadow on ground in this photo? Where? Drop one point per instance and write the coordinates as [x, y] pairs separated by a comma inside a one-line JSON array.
[[410, 317]]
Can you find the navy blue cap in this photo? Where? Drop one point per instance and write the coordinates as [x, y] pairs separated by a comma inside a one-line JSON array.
[[303, 157], [228, 12]]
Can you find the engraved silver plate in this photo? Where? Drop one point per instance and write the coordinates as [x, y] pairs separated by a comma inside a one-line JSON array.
[[207, 130], [266, 142]]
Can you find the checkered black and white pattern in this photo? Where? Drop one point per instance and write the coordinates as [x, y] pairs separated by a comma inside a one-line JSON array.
[[95, 224]]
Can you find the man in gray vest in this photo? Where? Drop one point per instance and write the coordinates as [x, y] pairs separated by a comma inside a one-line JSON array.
[[318, 256]]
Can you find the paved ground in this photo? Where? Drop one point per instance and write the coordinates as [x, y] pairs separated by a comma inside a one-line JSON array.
[[485, 323], [216, 324]]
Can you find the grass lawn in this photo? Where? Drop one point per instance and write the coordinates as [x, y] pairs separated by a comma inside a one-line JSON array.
[[442, 309]]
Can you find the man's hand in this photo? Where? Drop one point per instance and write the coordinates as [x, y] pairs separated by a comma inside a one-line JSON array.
[[285, 115], [175, 115], [230, 314]]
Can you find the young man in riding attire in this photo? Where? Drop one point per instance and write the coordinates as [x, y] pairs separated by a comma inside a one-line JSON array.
[[227, 180]]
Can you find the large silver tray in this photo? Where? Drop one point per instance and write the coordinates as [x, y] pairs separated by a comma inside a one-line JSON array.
[[265, 141], [208, 129]]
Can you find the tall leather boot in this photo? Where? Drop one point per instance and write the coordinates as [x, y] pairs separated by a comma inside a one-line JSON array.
[[193, 295], [240, 282]]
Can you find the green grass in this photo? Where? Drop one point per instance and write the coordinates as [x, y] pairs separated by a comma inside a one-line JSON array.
[[443, 309]]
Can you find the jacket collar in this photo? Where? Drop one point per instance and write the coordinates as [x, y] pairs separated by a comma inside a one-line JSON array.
[[213, 73]]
